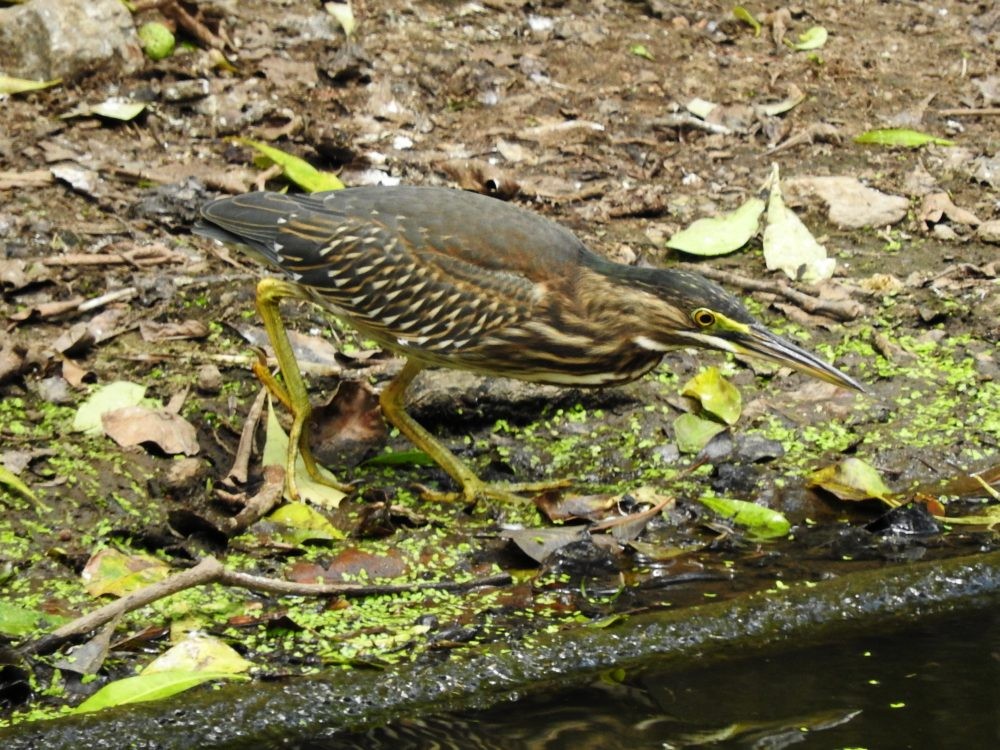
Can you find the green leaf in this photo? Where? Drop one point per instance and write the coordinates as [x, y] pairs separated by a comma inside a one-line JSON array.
[[812, 38], [199, 653], [299, 171], [640, 50], [113, 396], [760, 522], [157, 40], [716, 395], [903, 137], [18, 621], [746, 17], [276, 454], [148, 687], [722, 234], [10, 85], [851, 479], [692, 432], [304, 522], [401, 458], [10, 479]]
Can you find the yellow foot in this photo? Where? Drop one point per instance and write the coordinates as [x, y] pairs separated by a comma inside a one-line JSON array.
[[474, 490]]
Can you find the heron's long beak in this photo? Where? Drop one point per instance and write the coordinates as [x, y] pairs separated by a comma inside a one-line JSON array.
[[757, 341]]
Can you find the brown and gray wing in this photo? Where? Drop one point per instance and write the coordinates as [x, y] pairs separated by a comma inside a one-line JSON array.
[[418, 298]]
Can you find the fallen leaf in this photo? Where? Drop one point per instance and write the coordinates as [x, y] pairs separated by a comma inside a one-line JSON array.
[[172, 331], [851, 479], [276, 454], [742, 14], [299, 171], [112, 572], [302, 523], [538, 544], [722, 234], [716, 395], [132, 426], [902, 137], [10, 85], [199, 653], [148, 687], [788, 243], [558, 507], [850, 203], [938, 206], [759, 521], [113, 396], [693, 433], [810, 39]]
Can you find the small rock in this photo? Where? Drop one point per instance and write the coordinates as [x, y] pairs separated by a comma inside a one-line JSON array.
[[47, 39], [209, 379], [54, 390], [944, 232], [850, 204], [755, 448], [989, 231], [184, 473]]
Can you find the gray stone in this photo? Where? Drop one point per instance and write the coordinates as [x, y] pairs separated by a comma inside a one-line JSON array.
[[46, 39], [989, 231]]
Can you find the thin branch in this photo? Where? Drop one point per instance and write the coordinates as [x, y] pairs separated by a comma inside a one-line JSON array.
[[210, 570], [838, 309]]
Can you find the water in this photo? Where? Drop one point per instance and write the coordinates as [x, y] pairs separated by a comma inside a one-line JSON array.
[[937, 686]]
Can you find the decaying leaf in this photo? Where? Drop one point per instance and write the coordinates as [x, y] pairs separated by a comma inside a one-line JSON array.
[[788, 243], [275, 454], [113, 396], [538, 544], [112, 572], [199, 653], [302, 523], [852, 479], [692, 432], [132, 426], [716, 395], [938, 206]]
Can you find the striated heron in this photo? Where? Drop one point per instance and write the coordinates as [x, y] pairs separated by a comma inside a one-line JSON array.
[[447, 278]]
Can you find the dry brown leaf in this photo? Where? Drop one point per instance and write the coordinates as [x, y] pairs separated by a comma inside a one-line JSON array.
[[139, 425]]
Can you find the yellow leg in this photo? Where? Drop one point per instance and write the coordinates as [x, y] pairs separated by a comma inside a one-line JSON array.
[[473, 488], [292, 393]]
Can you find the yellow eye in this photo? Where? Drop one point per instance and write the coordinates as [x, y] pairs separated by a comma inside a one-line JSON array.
[[703, 317]]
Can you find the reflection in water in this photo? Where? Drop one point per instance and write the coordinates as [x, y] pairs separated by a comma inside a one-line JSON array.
[[938, 687]]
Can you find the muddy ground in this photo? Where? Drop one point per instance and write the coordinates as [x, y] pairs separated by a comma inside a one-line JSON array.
[[572, 109]]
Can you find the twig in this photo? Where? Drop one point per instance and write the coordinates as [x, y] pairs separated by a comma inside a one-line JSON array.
[[970, 112], [210, 570], [259, 505], [106, 299], [241, 461], [632, 517], [838, 309]]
